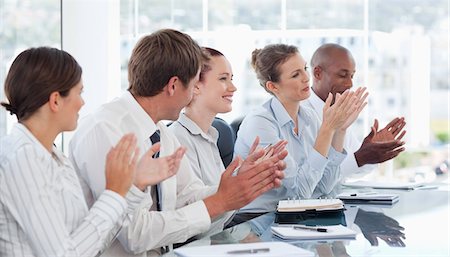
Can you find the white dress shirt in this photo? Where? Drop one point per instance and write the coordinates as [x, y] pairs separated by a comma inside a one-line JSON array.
[[183, 214], [308, 173], [351, 144], [203, 153], [42, 209]]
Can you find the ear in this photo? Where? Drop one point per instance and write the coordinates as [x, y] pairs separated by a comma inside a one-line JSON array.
[[197, 88], [54, 101], [172, 85], [317, 72], [272, 87]]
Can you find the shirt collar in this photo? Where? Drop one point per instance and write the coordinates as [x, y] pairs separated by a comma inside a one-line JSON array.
[[315, 100], [22, 131], [279, 112], [282, 116], [194, 129], [147, 125]]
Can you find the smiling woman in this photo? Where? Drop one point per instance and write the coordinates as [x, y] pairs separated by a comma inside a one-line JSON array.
[[213, 94]]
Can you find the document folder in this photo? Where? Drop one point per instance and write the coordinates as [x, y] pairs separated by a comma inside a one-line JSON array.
[[369, 198]]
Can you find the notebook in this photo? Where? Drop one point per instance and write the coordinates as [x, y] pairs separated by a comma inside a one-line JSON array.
[[332, 232], [368, 198], [261, 249], [309, 204]]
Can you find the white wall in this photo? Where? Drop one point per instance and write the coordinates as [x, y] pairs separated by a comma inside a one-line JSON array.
[[91, 33]]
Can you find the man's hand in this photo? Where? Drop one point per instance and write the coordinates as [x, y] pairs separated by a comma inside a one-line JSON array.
[[392, 131], [383, 145], [254, 178], [150, 171]]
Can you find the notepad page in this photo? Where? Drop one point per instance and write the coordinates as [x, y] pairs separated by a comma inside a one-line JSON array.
[[309, 204], [277, 249]]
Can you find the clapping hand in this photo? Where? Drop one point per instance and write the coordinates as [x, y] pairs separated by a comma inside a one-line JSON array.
[[383, 145], [392, 131], [150, 170]]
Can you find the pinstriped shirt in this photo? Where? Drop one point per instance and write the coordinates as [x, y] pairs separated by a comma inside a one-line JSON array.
[[42, 208]]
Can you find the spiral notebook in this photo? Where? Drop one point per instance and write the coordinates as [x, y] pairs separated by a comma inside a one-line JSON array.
[[309, 204]]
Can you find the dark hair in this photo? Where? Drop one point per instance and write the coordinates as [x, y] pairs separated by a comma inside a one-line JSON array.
[[208, 53], [266, 62], [158, 57], [34, 75]]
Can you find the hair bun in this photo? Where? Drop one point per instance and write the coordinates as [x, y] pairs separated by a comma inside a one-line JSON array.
[[12, 110]]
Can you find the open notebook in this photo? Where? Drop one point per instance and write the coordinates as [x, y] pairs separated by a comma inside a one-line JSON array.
[[261, 249], [309, 204], [295, 232]]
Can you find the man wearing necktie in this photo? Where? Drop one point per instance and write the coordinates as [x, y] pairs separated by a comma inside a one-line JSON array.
[[162, 72]]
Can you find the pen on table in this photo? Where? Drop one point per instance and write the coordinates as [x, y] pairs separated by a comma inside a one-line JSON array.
[[318, 229], [244, 251]]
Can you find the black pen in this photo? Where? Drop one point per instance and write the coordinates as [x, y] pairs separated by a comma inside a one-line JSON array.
[[318, 229], [256, 250]]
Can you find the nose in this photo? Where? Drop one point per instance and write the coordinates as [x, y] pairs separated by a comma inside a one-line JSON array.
[[305, 76], [232, 87], [349, 82]]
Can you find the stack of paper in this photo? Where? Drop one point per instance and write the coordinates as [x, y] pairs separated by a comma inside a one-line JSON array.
[[368, 198], [309, 204], [298, 232], [262, 249], [385, 184]]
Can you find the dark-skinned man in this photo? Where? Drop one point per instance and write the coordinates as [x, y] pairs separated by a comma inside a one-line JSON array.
[[333, 68]]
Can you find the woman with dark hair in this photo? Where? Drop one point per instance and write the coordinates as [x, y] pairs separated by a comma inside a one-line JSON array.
[[42, 208]]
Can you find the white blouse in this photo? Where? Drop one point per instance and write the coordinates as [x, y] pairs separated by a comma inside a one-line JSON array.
[[42, 208]]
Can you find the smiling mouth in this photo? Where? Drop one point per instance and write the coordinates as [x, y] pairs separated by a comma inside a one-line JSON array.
[[229, 98]]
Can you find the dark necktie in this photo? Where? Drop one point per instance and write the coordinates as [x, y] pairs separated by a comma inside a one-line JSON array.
[[155, 138]]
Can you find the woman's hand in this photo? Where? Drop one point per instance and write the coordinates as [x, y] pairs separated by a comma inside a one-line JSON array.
[[345, 109], [120, 165]]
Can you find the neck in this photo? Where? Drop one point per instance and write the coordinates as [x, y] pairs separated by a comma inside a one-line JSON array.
[[292, 108], [43, 130], [201, 116], [152, 106]]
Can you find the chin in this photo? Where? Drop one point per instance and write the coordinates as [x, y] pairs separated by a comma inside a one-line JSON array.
[[225, 109]]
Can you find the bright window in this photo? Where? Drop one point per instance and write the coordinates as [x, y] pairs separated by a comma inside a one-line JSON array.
[[400, 47]]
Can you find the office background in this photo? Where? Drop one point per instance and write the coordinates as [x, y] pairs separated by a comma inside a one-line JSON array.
[[401, 48]]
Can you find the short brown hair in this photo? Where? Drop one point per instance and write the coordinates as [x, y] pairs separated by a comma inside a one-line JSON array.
[[34, 75], [158, 57], [266, 62]]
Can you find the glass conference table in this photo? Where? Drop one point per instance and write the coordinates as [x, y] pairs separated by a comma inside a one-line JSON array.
[[417, 225]]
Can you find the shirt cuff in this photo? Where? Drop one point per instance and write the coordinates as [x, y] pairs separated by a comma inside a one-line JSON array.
[[110, 206], [198, 216], [135, 197], [317, 161], [336, 157]]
